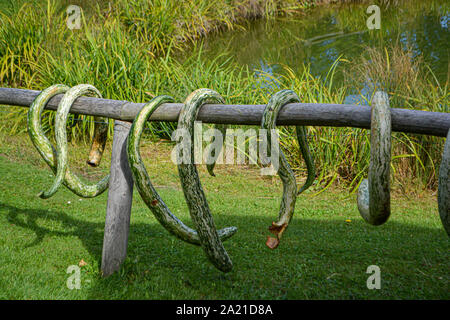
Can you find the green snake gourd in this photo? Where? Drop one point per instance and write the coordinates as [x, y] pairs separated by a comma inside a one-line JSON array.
[[48, 152], [374, 193], [192, 188], [444, 186], [214, 153], [276, 102], [144, 185]]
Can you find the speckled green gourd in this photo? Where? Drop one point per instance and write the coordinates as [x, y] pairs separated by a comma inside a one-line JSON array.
[[47, 151], [192, 188], [444, 186], [144, 186], [276, 102], [374, 193], [215, 153]]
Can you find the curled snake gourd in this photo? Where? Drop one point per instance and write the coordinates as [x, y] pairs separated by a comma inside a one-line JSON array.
[[374, 193], [53, 157], [276, 102], [145, 187]]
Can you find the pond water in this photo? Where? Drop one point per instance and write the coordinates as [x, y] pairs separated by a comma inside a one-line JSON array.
[[321, 35]]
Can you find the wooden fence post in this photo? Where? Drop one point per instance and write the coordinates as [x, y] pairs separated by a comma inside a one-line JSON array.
[[118, 208]]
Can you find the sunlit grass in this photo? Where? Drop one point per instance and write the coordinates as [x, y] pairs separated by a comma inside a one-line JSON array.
[[324, 254]]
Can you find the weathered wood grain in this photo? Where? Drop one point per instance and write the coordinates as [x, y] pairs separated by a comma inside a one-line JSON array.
[[312, 114], [118, 209]]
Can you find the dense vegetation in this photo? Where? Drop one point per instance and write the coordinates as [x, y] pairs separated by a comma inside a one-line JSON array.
[[129, 50]]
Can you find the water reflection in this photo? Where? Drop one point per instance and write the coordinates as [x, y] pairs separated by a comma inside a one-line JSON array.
[[325, 33]]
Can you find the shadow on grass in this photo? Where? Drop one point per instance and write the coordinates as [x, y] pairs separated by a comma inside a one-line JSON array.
[[317, 258], [86, 231]]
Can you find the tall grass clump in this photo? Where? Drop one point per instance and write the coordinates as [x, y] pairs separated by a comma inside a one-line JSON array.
[[24, 32], [411, 84], [342, 155], [121, 48]]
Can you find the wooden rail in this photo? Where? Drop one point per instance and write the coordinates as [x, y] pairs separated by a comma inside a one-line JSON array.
[[312, 114]]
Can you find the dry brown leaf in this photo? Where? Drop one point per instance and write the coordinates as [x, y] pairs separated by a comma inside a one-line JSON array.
[[82, 263]]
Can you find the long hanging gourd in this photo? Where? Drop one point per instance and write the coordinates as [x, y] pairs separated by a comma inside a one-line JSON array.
[[192, 188], [46, 149], [214, 153], [302, 139], [144, 186], [276, 102], [444, 186], [374, 203], [98, 142]]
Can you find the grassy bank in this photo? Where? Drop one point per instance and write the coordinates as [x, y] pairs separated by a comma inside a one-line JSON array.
[[128, 51], [324, 253]]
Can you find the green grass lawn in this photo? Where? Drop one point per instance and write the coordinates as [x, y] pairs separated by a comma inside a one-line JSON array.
[[322, 255]]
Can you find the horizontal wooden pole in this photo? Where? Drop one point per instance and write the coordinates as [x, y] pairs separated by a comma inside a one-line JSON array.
[[312, 114]]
